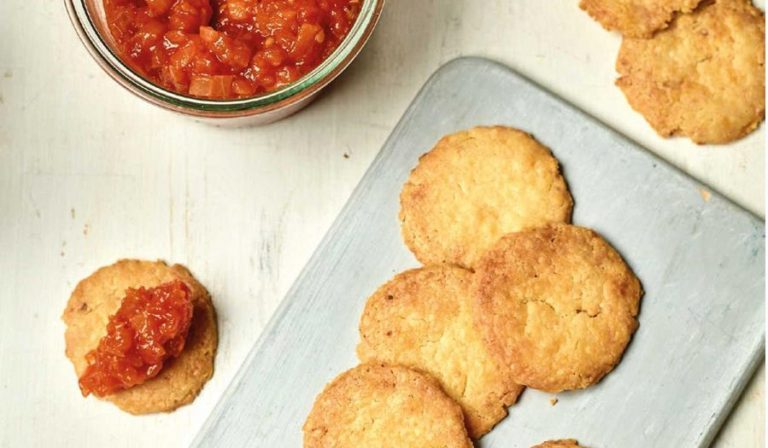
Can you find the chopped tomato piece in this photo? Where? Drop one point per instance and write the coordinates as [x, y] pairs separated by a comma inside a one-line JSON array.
[[149, 34], [305, 41], [243, 87], [230, 51], [158, 7], [206, 86], [189, 15], [238, 10], [150, 327]]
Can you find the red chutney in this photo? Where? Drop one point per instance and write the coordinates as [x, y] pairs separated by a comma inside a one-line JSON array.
[[150, 327], [223, 49]]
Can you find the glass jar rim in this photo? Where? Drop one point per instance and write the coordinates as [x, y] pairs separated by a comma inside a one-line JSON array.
[[96, 44]]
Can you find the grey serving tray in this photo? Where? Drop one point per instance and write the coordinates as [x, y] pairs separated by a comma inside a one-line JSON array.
[[701, 263]]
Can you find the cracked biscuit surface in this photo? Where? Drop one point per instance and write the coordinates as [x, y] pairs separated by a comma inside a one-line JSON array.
[[703, 77], [379, 406], [557, 305], [475, 186], [422, 319], [99, 296], [636, 18]]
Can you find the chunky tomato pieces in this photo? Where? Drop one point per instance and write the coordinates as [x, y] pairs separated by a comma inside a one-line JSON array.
[[150, 327], [227, 48]]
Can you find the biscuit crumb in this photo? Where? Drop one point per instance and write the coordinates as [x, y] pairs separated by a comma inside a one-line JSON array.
[[705, 194], [553, 401]]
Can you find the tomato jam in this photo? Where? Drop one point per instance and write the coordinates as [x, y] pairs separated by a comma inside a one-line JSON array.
[[225, 49], [150, 327]]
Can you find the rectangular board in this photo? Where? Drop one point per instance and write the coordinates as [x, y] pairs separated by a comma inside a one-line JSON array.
[[701, 263]]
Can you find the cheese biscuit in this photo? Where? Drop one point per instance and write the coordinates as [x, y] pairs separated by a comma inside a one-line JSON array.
[[378, 406], [556, 305], [703, 77], [475, 186], [636, 18], [422, 319]]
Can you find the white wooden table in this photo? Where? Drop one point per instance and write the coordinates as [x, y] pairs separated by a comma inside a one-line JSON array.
[[90, 174]]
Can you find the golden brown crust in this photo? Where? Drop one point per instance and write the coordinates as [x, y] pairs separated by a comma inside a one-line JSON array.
[[422, 319], [636, 18], [556, 305], [473, 187], [98, 296], [563, 443], [376, 406], [703, 77]]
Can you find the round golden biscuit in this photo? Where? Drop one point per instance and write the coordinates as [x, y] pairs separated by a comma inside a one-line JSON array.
[[636, 18], [378, 406], [475, 186], [564, 443], [703, 77], [422, 319], [99, 296], [556, 305]]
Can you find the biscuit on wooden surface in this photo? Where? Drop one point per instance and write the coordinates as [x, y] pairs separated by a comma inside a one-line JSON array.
[[475, 186], [422, 319], [99, 296], [377, 406], [564, 443], [636, 18], [557, 305], [703, 77]]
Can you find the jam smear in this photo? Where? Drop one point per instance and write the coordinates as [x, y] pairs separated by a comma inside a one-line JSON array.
[[225, 49], [150, 327]]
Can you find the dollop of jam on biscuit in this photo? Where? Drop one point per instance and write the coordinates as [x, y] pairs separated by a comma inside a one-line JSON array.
[[149, 328]]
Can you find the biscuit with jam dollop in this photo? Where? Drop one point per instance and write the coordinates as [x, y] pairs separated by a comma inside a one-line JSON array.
[[99, 296]]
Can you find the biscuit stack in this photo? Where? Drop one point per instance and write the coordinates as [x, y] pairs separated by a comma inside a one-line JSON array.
[[690, 67], [510, 295]]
